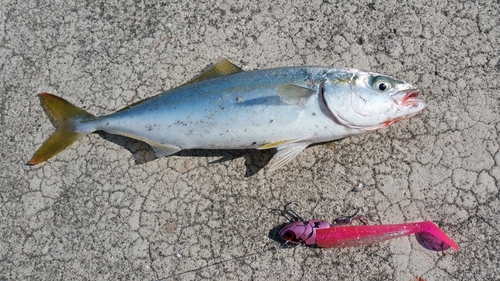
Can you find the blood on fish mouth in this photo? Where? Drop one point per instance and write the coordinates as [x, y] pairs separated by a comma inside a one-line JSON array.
[[410, 97]]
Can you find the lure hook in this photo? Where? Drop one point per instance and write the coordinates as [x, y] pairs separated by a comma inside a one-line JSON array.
[[292, 213], [289, 213]]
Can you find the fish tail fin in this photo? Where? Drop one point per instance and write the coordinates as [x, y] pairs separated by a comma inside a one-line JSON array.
[[433, 229], [65, 117]]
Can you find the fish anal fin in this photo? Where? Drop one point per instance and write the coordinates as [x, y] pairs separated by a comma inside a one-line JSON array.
[[222, 68], [162, 150], [293, 94], [285, 154]]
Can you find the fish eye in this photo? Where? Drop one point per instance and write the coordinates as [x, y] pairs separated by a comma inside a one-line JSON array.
[[289, 235], [381, 84]]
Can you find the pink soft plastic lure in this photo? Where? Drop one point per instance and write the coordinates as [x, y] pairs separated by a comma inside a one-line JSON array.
[[325, 235]]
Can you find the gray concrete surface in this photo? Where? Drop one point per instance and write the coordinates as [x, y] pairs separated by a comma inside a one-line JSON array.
[[105, 209]]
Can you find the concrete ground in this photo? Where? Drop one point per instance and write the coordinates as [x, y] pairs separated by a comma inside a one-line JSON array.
[[106, 209]]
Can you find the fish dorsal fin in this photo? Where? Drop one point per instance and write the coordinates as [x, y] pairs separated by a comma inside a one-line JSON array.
[[293, 94], [134, 104], [219, 69]]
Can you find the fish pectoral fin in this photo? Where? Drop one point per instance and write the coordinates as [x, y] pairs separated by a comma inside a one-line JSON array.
[[162, 150], [219, 69], [285, 154], [293, 94]]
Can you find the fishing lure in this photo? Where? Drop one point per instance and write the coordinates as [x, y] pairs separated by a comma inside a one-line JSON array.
[[322, 234]]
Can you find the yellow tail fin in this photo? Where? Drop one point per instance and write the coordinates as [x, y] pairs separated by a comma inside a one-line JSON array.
[[64, 115]]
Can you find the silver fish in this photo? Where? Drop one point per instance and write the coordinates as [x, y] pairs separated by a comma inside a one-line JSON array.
[[227, 108]]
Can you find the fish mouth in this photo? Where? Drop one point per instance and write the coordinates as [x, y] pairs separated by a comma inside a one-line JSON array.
[[409, 98]]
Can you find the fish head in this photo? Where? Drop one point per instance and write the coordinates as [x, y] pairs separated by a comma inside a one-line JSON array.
[[368, 101], [302, 232]]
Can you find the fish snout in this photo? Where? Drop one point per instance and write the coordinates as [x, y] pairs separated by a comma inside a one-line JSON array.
[[409, 98]]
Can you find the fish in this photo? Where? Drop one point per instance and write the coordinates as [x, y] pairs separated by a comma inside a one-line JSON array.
[[341, 234], [286, 109]]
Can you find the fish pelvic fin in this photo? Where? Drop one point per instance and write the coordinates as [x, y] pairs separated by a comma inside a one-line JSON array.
[[285, 154], [278, 144], [64, 116]]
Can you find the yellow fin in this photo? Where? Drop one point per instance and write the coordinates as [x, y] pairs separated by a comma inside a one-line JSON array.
[[276, 144], [134, 104], [222, 68], [219, 69], [64, 115]]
